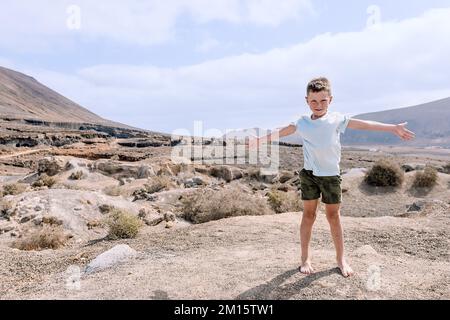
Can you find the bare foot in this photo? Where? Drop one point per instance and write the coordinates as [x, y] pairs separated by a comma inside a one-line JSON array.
[[345, 268], [306, 267]]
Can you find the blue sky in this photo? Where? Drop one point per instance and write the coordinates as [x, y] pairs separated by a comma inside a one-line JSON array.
[[161, 65]]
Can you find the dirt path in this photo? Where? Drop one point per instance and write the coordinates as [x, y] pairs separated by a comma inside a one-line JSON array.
[[251, 258], [21, 153]]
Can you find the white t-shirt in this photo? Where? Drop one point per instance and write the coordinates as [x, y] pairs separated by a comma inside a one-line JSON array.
[[322, 143]]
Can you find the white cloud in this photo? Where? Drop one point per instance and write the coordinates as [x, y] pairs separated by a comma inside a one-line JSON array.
[[34, 25], [396, 64], [207, 45]]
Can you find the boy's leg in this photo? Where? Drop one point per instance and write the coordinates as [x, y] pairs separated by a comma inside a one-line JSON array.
[[334, 219], [308, 218]]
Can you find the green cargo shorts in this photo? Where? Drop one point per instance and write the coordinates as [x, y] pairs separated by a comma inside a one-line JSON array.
[[313, 186]]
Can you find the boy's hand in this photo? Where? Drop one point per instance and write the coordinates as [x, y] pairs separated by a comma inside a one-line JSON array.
[[403, 133]]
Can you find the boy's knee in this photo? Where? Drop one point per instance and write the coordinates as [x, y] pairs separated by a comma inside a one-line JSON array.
[[333, 215], [310, 214]]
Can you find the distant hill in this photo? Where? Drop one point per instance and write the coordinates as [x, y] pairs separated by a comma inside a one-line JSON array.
[[430, 122], [22, 97]]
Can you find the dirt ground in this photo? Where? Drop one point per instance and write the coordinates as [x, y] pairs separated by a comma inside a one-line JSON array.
[[396, 254]]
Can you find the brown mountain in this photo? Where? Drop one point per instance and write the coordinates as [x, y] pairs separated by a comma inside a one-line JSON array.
[[24, 98], [430, 122]]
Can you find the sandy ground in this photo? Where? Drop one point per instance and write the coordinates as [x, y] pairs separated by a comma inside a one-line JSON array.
[[248, 258], [394, 257]]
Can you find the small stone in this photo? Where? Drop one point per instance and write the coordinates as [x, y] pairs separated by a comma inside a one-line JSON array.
[[416, 206], [169, 216], [38, 208], [170, 224], [27, 218], [77, 208]]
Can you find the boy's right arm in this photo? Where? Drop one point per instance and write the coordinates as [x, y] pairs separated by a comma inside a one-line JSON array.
[[284, 132]]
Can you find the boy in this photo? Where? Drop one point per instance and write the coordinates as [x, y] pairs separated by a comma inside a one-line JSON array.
[[321, 174]]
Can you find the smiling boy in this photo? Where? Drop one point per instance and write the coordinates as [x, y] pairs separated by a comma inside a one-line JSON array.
[[320, 177]]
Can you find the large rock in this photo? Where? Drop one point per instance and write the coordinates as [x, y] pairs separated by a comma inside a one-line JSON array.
[[145, 172], [226, 173], [122, 170], [110, 258]]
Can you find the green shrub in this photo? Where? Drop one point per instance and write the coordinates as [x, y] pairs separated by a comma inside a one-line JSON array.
[[426, 178], [385, 173], [122, 224]]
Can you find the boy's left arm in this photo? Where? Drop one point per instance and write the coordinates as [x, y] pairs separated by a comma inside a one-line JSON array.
[[399, 129]]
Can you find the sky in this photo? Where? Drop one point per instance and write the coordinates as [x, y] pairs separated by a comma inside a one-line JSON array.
[[231, 64]]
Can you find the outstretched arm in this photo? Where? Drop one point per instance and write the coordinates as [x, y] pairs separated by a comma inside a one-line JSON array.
[[399, 129], [284, 132]]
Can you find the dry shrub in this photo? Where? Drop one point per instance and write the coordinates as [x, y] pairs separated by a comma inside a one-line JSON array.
[[48, 237], [77, 175], [13, 189], [157, 184], [426, 178], [51, 220], [44, 180], [385, 173], [284, 201], [206, 205], [122, 224]]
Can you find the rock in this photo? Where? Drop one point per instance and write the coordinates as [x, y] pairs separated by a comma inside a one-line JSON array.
[[37, 221], [268, 176], [31, 178], [285, 188], [145, 172], [202, 170], [38, 208], [259, 186], [77, 208], [226, 173], [6, 229], [169, 216], [110, 258], [50, 166], [194, 182], [170, 224], [407, 167], [199, 180], [142, 213], [153, 221], [27, 218], [416, 206], [286, 176]]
